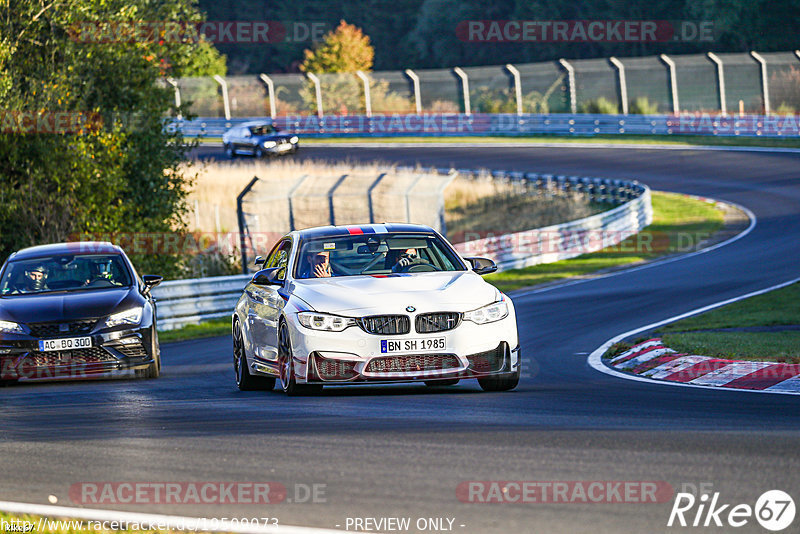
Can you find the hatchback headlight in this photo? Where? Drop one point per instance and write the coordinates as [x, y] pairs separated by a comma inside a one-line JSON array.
[[270, 144], [11, 327], [293, 139], [132, 316], [488, 314], [324, 321]]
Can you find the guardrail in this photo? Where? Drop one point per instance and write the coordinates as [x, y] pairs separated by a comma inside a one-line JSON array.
[[183, 302], [483, 124]]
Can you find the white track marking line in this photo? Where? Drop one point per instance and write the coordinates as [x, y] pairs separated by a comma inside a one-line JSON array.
[[497, 144], [596, 361], [634, 350], [171, 522]]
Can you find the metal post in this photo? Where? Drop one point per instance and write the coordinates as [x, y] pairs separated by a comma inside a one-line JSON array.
[[464, 88], [764, 80], [243, 230], [221, 81], [289, 197], [331, 191], [318, 91], [623, 85], [177, 91], [369, 196], [408, 201], [367, 98], [415, 82], [723, 106], [440, 193], [271, 90], [673, 82], [517, 86], [573, 98]]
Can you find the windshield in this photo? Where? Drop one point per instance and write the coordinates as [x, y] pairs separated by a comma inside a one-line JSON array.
[[64, 273], [374, 254], [265, 129]]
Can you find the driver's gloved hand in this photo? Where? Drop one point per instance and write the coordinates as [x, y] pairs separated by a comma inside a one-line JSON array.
[[405, 261]]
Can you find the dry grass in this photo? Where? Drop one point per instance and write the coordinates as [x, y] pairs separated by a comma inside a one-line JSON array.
[[479, 204]]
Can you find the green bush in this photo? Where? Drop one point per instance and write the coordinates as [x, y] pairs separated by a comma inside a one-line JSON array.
[[642, 106], [600, 105]]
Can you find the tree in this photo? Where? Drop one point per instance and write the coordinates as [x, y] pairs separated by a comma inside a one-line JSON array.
[[119, 171], [345, 49]]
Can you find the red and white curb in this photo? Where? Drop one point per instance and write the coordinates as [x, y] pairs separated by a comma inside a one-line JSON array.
[[654, 363], [654, 360]]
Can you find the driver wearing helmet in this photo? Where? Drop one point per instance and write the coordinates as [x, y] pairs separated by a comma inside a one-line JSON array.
[[35, 279], [99, 271]]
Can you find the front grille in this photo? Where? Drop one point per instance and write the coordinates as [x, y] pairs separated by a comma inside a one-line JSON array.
[[133, 350], [328, 369], [68, 357], [418, 362], [427, 323], [55, 329], [386, 325], [489, 361]]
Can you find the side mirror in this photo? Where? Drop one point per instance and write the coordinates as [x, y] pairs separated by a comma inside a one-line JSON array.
[[267, 277], [259, 260], [151, 281], [482, 265]]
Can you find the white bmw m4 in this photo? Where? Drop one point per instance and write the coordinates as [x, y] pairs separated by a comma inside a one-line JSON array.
[[379, 303]]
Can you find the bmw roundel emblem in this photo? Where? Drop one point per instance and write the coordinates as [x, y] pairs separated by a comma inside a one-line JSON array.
[[410, 309]]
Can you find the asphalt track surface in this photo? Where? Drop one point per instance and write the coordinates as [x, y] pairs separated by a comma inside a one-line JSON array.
[[402, 451]]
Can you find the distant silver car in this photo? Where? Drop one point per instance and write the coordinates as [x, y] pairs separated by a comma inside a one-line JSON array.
[[372, 304], [258, 139]]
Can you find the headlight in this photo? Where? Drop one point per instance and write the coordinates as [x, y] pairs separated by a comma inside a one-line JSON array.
[[270, 144], [488, 314], [293, 139], [132, 316], [324, 321], [11, 328]]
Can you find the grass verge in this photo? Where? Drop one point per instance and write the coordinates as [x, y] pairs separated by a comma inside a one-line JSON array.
[[212, 328], [766, 312], [680, 223]]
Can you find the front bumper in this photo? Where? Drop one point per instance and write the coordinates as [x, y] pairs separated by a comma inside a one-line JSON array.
[[354, 356], [22, 359]]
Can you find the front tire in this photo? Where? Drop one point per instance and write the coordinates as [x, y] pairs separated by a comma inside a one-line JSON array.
[[288, 378], [229, 152], [154, 369], [244, 380]]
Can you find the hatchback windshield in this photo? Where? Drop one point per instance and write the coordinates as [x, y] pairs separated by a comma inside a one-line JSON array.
[[64, 273], [373, 254]]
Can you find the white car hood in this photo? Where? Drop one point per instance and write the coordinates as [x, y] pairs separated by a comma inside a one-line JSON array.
[[391, 294]]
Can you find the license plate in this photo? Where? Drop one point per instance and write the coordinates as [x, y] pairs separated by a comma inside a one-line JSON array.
[[284, 146], [70, 343], [390, 346]]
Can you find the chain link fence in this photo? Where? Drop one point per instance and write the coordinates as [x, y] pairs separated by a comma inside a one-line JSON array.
[[712, 83], [268, 208]]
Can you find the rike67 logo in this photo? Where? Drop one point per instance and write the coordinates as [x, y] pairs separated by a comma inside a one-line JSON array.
[[774, 510]]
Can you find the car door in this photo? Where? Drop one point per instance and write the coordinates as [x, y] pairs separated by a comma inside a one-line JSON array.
[[266, 304]]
